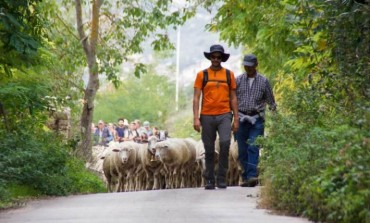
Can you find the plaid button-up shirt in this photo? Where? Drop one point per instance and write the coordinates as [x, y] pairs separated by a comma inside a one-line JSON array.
[[253, 99]]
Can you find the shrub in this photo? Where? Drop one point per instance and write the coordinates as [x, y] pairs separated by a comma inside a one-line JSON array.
[[41, 161], [321, 172], [81, 179], [341, 192]]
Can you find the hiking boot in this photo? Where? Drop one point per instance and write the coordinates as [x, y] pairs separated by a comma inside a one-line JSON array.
[[251, 182], [209, 185]]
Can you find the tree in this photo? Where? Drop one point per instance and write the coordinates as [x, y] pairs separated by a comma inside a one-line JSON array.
[[316, 155], [21, 34], [114, 31]]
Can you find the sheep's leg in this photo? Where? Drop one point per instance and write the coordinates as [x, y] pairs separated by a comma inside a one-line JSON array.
[[168, 179], [176, 178], [109, 184], [183, 177], [155, 184], [122, 181]]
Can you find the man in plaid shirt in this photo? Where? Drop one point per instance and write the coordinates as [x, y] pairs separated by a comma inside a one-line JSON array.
[[253, 91]]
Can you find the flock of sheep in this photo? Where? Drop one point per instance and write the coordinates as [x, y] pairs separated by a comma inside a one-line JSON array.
[[161, 164]]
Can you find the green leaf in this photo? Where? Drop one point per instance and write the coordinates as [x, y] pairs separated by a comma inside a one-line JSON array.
[[139, 69]]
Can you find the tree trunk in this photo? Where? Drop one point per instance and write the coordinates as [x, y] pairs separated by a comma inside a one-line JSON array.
[[87, 116], [89, 45]]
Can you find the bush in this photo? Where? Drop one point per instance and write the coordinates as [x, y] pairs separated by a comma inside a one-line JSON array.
[[321, 172], [41, 161], [341, 192], [35, 160], [81, 179]]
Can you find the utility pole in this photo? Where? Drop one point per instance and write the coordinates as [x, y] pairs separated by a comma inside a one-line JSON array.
[[177, 68]]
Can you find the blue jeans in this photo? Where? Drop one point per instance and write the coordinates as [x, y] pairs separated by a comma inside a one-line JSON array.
[[248, 151]]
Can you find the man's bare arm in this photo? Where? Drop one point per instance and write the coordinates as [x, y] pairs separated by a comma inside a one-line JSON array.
[[196, 121], [234, 108]]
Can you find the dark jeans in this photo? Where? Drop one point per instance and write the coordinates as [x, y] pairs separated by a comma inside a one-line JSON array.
[[211, 125], [248, 151]]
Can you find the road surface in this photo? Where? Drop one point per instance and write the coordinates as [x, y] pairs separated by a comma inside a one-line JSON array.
[[193, 205]]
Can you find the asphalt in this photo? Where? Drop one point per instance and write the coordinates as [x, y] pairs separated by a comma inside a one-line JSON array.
[[193, 205]]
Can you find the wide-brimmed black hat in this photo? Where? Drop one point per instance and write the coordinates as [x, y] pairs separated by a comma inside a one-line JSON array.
[[217, 48]]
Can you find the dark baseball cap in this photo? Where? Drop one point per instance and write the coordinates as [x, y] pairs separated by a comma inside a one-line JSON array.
[[250, 60]]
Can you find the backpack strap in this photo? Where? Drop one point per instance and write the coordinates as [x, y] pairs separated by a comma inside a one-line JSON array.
[[228, 77], [205, 78]]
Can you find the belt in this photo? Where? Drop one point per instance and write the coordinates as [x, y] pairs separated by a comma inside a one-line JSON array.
[[249, 113]]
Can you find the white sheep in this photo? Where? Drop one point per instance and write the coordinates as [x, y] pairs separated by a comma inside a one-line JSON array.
[[191, 166], [111, 171], [151, 166], [174, 154], [127, 163]]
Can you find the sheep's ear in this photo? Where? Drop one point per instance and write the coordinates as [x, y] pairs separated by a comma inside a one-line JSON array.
[[115, 150]]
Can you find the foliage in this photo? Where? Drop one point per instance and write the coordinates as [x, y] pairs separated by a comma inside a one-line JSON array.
[[316, 156], [148, 98], [21, 34], [340, 193], [125, 26], [39, 76], [43, 164], [82, 181], [113, 32], [260, 26], [321, 172], [180, 125]]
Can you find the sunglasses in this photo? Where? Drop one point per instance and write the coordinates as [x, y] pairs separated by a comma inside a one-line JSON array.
[[216, 57]]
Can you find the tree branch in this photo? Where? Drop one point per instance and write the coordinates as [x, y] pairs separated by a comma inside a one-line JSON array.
[[67, 27], [95, 25], [83, 38]]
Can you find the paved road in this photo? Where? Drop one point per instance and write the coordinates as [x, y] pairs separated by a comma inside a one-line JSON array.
[[235, 204]]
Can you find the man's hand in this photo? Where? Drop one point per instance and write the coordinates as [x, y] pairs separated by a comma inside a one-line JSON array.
[[235, 126], [197, 125]]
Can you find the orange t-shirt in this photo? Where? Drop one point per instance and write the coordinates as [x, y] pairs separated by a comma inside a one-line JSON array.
[[216, 95]]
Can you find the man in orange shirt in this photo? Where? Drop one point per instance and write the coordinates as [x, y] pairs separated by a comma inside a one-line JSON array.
[[217, 87]]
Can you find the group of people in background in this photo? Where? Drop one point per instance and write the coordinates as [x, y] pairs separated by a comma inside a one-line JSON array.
[[122, 131]]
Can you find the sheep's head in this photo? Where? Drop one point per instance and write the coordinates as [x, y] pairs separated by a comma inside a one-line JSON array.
[[152, 141], [161, 149], [124, 151]]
